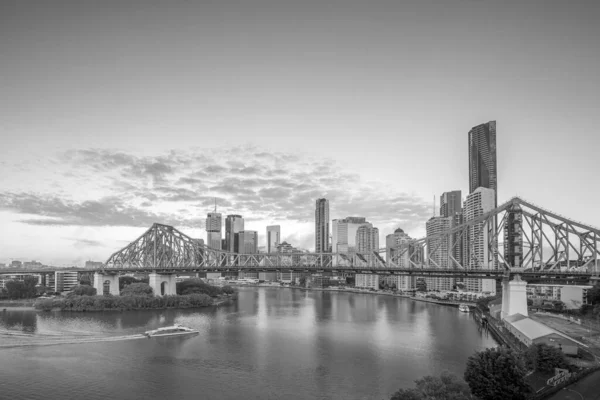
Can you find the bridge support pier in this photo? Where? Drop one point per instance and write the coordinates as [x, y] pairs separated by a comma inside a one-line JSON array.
[[514, 297], [110, 281], [163, 284]]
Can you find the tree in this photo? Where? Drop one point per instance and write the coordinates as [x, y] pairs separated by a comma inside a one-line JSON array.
[[497, 374], [544, 358], [593, 294], [196, 286], [228, 289], [25, 289], [126, 281], [445, 387], [137, 289], [83, 290]]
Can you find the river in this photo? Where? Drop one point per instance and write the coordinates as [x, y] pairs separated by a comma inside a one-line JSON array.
[[270, 343]]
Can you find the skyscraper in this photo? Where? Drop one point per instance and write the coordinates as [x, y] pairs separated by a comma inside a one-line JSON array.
[[482, 158], [344, 233], [399, 248], [213, 230], [438, 251], [450, 203], [322, 226], [367, 241], [233, 224], [477, 254], [273, 237], [248, 242]]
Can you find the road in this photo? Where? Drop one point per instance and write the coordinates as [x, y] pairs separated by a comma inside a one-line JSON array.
[[587, 389]]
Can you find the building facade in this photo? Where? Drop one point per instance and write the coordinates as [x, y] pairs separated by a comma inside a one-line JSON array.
[[343, 233], [233, 224], [64, 281], [367, 241], [367, 281], [572, 296], [213, 230], [482, 158], [248, 242], [273, 238], [400, 250], [450, 203], [476, 251], [321, 226], [438, 251], [513, 237]]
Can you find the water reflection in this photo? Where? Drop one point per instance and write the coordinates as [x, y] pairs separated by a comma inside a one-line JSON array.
[[270, 343]]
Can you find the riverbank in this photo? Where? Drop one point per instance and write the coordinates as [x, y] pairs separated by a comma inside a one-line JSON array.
[[23, 304]]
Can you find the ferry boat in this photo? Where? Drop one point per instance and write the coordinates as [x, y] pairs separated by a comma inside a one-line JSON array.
[[464, 308], [175, 330]]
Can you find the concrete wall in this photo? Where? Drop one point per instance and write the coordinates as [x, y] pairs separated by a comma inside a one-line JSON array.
[[156, 283], [99, 280]]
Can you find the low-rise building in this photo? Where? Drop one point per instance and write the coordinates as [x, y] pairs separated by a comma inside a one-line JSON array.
[[18, 277], [369, 281], [573, 296], [530, 332]]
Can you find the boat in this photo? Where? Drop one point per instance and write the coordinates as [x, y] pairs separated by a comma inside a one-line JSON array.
[[175, 330], [464, 308]]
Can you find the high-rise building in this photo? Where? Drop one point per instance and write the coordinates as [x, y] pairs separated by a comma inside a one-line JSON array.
[[248, 242], [344, 233], [321, 226], [438, 251], [513, 237], [482, 158], [273, 237], [233, 224], [477, 254], [399, 249], [367, 241], [213, 230], [450, 203]]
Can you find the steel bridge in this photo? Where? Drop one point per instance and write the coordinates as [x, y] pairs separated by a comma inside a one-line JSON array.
[[537, 243]]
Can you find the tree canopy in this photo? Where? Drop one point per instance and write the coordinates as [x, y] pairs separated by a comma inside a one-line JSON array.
[[137, 289], [25, 289], [544, 358], [445, 387], [83, 290], [497, 374], [197, 286]]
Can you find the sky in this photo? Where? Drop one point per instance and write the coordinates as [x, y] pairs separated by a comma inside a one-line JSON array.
[[118, 114]]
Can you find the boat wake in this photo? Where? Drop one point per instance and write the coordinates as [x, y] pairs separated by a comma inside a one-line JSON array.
[[9, 339]]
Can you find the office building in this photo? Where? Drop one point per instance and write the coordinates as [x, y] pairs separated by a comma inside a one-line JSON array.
[[248, 242], [438, 251], [233, 224], [450, 203], [213, 230], [476, 251], [64, 281], [273, 237], [321, 226], [482, 158], [94, 264], [344, 233]]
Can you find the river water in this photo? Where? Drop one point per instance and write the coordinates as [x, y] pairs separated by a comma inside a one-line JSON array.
[[270, 343]]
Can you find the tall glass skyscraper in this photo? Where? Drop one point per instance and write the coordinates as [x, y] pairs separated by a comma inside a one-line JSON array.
[[213, 230], [273, 237], [482, 158], [233, 224], [322, 226]]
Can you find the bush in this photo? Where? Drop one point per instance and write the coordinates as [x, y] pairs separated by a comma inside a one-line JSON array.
[[82, 290], [446, 387], [133, 302], [196, 286], [137, 289]]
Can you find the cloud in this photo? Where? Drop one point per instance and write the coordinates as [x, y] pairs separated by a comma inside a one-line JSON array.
[[80, 243], [179, 187]]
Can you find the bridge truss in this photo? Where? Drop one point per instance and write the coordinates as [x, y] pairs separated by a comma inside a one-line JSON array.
[[517, 236]]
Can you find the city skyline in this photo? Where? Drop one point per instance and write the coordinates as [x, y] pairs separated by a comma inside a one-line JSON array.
[[270, 112]]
